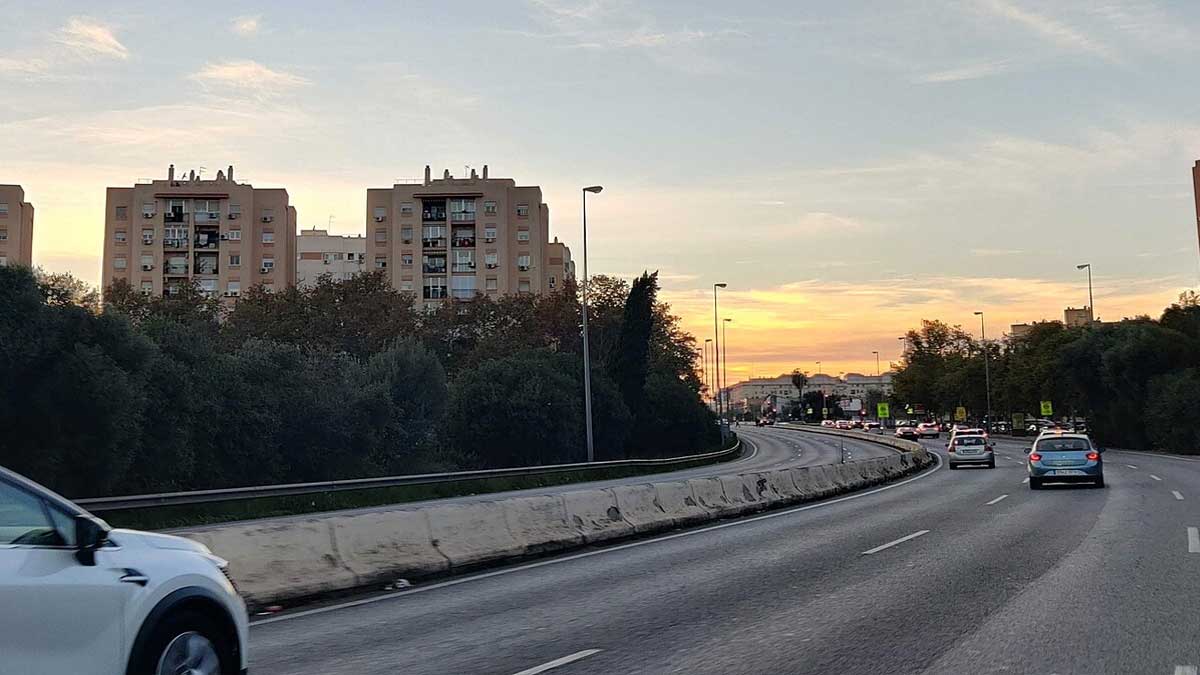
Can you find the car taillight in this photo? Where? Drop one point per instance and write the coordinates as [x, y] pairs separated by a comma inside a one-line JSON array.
[[950, 448], [1034, 457], [1093, 456]]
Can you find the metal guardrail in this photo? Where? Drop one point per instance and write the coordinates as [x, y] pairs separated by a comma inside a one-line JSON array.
[[292, 489]]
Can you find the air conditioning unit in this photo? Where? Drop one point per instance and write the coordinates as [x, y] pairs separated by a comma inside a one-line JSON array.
[[268, 219], [523, 268], [224, 237], [492, 266], [146, 241], [147, 214], [380, 219], [264, 270], [234, 216], [489, 240], [325, 262], [214, 215], [147, 268]]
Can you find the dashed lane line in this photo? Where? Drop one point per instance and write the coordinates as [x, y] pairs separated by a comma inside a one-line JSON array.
[[1178, 497], [551, 665], [901, 540], [997, 499]]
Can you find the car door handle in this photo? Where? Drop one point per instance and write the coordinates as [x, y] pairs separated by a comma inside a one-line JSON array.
[[132, 576]]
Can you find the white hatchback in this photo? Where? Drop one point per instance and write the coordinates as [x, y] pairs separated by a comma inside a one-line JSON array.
[[81, 598]]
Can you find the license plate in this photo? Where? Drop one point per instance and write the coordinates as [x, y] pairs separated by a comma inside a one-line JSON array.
[[1066, 472]]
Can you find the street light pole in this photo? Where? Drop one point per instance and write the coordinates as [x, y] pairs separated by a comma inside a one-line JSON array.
[[725, 367], [707, 371], [987, 376], [1091, 302], [823, 408], [876, 353], [587, 359], [717, 348]]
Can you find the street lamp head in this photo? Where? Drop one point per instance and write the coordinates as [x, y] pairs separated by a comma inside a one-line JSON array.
[[721, 285], [595, 189], [727, 320], [708, 339], [1083, 266], [978, 313]]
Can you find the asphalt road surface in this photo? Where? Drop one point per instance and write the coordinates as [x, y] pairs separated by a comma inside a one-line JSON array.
[[946, 572]]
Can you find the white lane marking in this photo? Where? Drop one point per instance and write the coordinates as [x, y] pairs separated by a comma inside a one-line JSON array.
[[1026, 479], [1193, 540], [1131, 466], [1186, 670], [1178, 496], [901, 540], [1155, 477], [550, 665], [997, 499], [589, 554]]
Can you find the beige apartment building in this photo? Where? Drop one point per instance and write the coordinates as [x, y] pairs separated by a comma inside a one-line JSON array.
[[458, 237], [319, 252], [16, 227], [221, 235]]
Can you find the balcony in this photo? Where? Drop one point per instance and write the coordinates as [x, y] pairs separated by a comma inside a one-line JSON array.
[[463, 267], [175, 243], [463, 293], [175, 217], [435, 293], [434, 269], [176, 271], [464, 242], [434, 215], [437, 242], [463, 217]]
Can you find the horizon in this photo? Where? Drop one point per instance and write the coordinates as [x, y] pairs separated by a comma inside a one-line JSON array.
[[967, 160]]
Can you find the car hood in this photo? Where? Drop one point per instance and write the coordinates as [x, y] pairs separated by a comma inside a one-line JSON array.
[[161, 541]]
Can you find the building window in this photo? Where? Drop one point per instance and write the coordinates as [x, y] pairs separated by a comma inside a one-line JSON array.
[[268, 288], [464, 261], [522, 235], [433, 264], [406, 208], [380, 262], [462, 210], [122, 213], [147, 287], [491, 284], [435, 288], [522, 210], [523, 262], [489, 233], [268, 237], [235, 260], [208, 287], [406, 285], [380, 214], [119, 236], [551, 280], [268, 264], [523, 286], [147, 263], [406, 235], [489, 208], [3, 209], [3, 260], [462, 287], [234, 235], [268, 215], [3, 235], [433, 236], [147, 209], [235, 211], [147, 235], [489, 259], [208, 209], [120, 263], [406, 259], [380, 236], [233, 289]]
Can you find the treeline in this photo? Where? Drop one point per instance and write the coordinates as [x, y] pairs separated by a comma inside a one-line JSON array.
[[1136, 381], [345, 379]]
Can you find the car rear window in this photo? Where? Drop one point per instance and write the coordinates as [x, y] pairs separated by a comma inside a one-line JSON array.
[[970, 440], [1063, 445]]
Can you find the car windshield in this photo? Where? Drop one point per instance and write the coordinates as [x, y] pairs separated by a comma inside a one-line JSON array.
[[1063, 445], [970, 440]]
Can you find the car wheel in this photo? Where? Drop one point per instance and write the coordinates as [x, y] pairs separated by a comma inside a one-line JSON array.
[[992, 464], [186, 642], [1100, 481], [953, 466], [1035, 483]]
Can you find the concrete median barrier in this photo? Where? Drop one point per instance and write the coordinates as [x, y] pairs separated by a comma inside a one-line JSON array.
[[296, 558]]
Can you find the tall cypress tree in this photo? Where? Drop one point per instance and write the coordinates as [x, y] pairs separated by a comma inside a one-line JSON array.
[[630, 364]]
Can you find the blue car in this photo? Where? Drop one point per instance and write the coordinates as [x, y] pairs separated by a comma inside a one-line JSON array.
[[1064, 458]]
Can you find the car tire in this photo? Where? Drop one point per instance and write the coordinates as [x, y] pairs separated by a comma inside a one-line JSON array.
[[1100, 482], [192, 634], [952, 465], [1035, 483], [992, 464]]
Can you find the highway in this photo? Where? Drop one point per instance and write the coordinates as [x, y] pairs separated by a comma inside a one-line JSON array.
[[945, 572]]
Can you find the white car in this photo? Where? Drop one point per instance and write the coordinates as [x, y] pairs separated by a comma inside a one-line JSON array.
[[928, 430], [78, 597]]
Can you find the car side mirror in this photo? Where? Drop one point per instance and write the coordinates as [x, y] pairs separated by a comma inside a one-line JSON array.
[[1028, 450], [1100, 450], [91, 533]]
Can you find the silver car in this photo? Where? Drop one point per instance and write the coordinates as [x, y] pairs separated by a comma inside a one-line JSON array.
[[966, 449]]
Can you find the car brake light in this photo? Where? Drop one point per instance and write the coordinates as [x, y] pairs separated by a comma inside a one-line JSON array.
[[1093, 456], [1035, 457]]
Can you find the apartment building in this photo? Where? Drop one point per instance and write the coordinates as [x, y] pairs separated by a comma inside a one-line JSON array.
[[318, 252], [16, 227], [750, 394], [221, 235], [459, 237]]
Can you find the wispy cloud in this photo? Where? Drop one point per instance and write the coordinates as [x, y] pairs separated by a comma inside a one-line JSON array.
[[91, 39], [1050, 29], [995, 252], [973, 71], [23, 67], [249, 76], [246, 26]]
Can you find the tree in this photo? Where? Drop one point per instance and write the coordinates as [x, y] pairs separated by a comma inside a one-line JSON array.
[[799, 380], [629, 366], [1171, 420]]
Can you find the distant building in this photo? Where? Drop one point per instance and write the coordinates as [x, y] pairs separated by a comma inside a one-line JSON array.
[[1019, 330], [16, 227], [1074, 318], [221, 235], [750, 394], [458, 237], [318, 252]]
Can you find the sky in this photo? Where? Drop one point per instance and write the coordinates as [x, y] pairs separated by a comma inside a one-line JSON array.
[[847, 167]]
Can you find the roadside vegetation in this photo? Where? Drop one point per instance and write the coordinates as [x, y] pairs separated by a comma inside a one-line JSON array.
[[343, 380]]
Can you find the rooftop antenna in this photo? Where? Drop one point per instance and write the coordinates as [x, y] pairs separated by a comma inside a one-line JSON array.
[[200, 174], [328, 224]]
